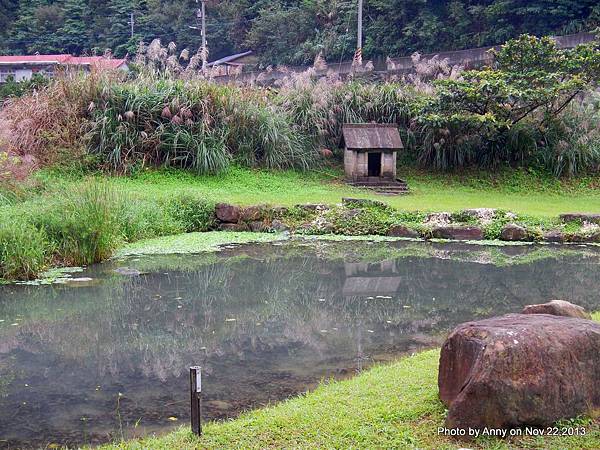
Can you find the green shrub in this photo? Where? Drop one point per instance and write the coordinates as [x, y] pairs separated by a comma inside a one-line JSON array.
[[409, 217], [463, 218], [191, 213], [140, 218], [493, 230], [572, 142], [369, 220], [12, 88], [23, 248]]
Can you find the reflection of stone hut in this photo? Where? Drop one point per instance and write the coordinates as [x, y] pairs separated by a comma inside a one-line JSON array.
[[370, 152], [371, 278]]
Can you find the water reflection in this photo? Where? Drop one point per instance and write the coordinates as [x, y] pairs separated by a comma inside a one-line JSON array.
[[91, 363]]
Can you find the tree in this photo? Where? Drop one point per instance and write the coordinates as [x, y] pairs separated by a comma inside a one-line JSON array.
[[287, 31], [490, 110], [8, 14], [272, 37], [35, 28], [74, 34]]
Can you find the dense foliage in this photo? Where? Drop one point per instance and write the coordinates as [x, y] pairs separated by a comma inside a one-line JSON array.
[[201, 126], [12, 88], [391, 27], [535, 108], [521, 110]]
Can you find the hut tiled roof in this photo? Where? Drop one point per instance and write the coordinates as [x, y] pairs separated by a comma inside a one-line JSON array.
[[229, 59], [366, 136]]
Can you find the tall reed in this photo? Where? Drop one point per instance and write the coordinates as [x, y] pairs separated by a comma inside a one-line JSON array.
[[23, 248], [195, 125], [83, 224]]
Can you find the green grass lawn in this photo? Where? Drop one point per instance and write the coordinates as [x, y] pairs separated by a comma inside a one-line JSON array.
[[390, 406], [518, 191]]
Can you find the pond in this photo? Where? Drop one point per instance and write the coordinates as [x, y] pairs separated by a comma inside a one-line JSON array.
[[107, 357]]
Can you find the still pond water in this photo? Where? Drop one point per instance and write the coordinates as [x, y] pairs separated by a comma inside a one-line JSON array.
[[108, 358]]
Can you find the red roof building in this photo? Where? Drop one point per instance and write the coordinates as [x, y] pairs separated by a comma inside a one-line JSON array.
[[22, 68]]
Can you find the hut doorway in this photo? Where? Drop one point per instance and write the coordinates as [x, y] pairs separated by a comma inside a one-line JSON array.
[[374, 164]]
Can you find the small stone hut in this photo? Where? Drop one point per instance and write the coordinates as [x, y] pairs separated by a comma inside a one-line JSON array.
[[370, 151]]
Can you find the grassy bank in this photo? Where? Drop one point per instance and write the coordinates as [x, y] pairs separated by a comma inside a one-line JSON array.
[[519, 191], [61, 219], [392, 406]]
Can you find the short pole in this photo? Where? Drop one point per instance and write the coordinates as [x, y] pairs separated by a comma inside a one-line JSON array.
[[196, 399]]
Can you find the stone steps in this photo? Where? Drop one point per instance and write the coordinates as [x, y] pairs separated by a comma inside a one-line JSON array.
[[399, 187]]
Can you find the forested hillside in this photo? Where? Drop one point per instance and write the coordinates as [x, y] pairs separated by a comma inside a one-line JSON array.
[[284, 31]]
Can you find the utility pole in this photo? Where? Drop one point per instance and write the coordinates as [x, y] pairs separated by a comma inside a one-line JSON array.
[[201, 25], [357, 60], [360, 20], [131, 23], [204, 52]]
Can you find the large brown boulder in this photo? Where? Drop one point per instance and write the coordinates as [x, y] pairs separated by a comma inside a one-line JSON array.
[[520, 369], [558, 308], [467, 233], [227, 213], [514, 232], [554, 236], [582, 217], [253, 213], [402, 231], [233, 227]]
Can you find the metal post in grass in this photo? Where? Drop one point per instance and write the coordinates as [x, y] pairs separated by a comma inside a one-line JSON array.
[[196, 399]]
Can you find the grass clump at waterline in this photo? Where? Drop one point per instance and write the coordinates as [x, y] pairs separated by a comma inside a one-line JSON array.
[[390, 406], [86, 222]]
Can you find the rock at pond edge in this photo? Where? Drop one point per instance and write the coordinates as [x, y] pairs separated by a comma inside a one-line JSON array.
[[514, 232], [227, 213], [558, 308], [458, 233], [253, 213], [582, 217], [234, 227], [554, 236], [520, 369], [402, 231], [278, 226]]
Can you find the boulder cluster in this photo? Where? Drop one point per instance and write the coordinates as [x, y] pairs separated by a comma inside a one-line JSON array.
[[362, 216]]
